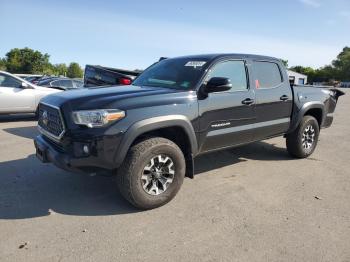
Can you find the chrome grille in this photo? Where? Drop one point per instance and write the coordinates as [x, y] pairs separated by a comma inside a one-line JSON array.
[[50, 121]]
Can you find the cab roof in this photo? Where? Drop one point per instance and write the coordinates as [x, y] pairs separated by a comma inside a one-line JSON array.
[[231, 55]]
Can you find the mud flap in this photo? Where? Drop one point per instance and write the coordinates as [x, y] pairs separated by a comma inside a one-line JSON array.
[[190, 166]]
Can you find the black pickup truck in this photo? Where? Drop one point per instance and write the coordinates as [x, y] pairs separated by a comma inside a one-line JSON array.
[[149, 132]]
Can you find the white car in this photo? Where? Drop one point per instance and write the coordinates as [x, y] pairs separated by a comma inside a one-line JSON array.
[[19, 96]]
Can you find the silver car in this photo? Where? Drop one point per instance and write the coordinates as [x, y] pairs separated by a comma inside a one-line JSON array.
[[19, 96]]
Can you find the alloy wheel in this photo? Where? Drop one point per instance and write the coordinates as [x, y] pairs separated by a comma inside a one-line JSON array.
[[308, 137], [158, 174]]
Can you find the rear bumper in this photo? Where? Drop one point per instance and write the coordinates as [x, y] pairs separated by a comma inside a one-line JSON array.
[[48, 152]]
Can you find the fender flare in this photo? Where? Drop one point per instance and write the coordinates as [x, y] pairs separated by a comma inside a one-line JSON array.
[[152, 124], [298, 116]]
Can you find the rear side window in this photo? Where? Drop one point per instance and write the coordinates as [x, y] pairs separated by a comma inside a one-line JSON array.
[[267, 74], [234, 70]]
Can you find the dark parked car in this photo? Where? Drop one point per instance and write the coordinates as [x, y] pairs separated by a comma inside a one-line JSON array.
[[61, 83], [102, 76], [33, 79], [177, 109]]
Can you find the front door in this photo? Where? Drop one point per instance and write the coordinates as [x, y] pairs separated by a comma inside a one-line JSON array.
[[227, 118], [14, 98]]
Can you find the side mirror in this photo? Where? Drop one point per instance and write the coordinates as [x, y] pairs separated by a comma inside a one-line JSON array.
[[218, 84], [25, 86]]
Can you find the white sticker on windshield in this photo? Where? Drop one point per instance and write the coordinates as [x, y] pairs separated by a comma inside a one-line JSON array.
[[195, 63]]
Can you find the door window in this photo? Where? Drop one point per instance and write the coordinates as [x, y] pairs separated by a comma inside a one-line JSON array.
[[234, 70], [9, 81], [267, 74]]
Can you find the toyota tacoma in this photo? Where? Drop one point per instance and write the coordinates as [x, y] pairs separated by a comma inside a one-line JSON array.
[[149, 132]]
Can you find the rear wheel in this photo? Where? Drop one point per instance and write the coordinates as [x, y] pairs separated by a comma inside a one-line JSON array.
[[302, 142], [152, 173]]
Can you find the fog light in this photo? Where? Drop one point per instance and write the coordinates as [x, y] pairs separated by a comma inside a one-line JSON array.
[[86, 149]]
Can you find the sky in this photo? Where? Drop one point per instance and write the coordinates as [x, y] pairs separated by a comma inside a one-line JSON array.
[[133, 34]]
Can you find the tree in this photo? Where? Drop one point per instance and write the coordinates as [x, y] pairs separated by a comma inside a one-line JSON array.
[[328, 72], [2, 64], [285, 62], [49, 70], [26, 60], [74, 70], [342, 65], [60, 69]]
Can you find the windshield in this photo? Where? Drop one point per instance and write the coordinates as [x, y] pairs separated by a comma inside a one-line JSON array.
[[176, 73]]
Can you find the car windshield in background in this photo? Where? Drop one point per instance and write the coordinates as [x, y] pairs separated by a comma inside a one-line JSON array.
[[177, 73]]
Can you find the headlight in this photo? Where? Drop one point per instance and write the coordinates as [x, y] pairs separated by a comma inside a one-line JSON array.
[[97, 118]]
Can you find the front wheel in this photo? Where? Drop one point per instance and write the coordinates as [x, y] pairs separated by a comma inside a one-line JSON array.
[[152, 173], [302, 142]]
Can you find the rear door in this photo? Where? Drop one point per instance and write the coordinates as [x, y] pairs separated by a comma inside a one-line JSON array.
[[14, 98], [225, 119], [274, 99]]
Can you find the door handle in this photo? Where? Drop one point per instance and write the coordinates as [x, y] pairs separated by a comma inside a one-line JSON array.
[[248, 101], [284, 98]]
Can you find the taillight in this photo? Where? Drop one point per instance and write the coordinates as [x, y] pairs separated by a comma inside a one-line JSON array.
[[124, 81]]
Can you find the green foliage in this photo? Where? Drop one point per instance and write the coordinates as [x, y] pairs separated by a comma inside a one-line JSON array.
[[285, 62], [74, 70], [26, 60], [61, 69], [342, 65], [328, 72], [338, 71], [29, 61], [2, 64]]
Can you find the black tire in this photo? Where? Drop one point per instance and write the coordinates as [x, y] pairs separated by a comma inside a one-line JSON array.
[[296, 145], [139, 156]]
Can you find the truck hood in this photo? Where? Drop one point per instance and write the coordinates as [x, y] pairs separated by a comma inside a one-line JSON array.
[[122, 97]]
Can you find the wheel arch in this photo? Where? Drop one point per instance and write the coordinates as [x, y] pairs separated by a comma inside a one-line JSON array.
[[315, 109], [316, 113], [176, 128]]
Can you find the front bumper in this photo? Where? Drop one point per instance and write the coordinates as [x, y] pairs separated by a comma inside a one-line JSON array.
[[97, 160]]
